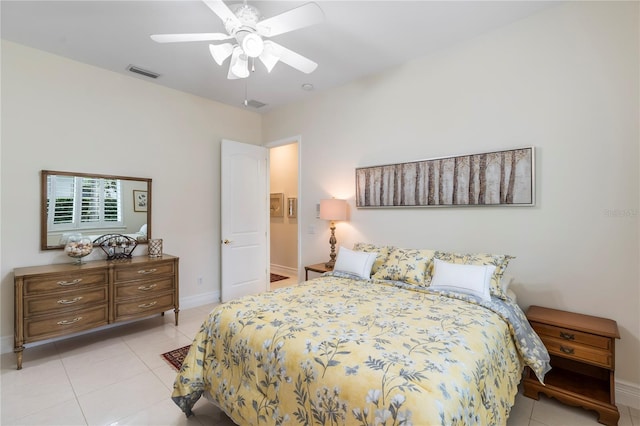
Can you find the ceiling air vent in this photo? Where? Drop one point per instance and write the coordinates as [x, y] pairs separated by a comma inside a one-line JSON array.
[[140, 71], [255, 104]]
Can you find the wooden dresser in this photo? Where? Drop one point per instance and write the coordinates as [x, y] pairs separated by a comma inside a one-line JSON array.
[[60, 299], [582, 350]]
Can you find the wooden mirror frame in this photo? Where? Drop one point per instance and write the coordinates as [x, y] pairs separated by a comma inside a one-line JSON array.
[[43, 201]]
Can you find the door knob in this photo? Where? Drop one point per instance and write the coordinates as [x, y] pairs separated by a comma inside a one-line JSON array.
[[227, 242]]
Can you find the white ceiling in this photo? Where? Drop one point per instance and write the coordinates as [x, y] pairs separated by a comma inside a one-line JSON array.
[[357, 38]]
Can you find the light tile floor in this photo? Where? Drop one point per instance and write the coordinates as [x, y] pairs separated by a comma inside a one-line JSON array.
[[117, 377]]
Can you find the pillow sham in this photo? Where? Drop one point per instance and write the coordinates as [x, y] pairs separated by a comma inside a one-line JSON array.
[[382, 251], [355, 262], [406, 265], [468, 279], [500, 261]]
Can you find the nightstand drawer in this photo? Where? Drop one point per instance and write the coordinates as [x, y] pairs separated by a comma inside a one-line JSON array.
[[577, 352], [572, 336]]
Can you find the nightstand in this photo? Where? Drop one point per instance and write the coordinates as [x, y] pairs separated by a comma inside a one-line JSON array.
[[318, 267], [582, 350]]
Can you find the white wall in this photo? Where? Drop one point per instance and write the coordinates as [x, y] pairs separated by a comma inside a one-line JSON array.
[[58, 114], [283, 168], [565, 81]]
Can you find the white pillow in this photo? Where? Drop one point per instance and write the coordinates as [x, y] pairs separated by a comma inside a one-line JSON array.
[[355, 262], [469, 279], [505, 282]]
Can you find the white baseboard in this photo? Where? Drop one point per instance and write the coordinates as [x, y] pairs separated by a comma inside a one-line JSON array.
[[628, 394], [283, 270], [6, 342], [199, 299]]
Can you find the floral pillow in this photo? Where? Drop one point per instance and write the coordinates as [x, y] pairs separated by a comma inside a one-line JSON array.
[[383, 253], [500, 261], [406, 265]]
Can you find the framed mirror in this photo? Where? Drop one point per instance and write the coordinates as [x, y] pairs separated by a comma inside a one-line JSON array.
[[92, 205]]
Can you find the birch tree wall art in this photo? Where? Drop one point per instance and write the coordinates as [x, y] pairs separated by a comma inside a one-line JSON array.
[[488, 179]]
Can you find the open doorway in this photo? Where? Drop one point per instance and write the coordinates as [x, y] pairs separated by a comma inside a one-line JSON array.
[[283, 228]]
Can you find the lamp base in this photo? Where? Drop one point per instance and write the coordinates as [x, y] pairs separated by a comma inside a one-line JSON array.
[[330, 264]]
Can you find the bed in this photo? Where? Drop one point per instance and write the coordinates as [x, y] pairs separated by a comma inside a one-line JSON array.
[[351, 348]]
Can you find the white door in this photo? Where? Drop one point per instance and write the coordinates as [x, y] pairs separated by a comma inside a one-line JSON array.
[[245, 218]]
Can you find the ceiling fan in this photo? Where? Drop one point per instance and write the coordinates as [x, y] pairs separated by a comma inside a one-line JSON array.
[[248, 34]]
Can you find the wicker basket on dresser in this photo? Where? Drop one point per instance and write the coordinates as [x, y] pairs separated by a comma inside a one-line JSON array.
[[57, 300]]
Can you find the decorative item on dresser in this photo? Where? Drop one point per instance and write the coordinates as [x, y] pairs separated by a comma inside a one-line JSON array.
[[582, 350], [155, 247], [61, 299]]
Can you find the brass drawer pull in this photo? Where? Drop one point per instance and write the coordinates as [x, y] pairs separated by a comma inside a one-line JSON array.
[[147, 305], [147, 288], [69, 302], [567, 336], [568, 351], [66, 283], [65, 322], [147, 271]]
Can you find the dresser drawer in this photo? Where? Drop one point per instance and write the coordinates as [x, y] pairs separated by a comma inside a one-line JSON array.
[[144, 306], [572, 335], [144, 288], [143, 272], [44, 327], [71, 280], [578, 352], [65, 301]]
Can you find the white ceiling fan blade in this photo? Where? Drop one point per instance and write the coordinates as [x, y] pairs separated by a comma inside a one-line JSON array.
[[223, 12], [221, 52], [293, 59], [299, 17], [179, 38]]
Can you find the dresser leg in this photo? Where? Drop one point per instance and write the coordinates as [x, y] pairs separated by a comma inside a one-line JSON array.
[[609, 417], [18, 352], [176, 310]]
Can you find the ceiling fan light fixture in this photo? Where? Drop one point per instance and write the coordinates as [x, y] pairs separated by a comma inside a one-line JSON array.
[[252, 45], [239, 66], [221, 52], [268, 58]]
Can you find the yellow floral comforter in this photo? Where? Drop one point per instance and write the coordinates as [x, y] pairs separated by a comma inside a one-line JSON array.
[[336, 351]]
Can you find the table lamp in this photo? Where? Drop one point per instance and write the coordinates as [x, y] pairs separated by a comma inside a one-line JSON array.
[[333, 210]]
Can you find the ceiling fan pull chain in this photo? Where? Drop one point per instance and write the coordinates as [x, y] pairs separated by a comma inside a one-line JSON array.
[[253, 64]]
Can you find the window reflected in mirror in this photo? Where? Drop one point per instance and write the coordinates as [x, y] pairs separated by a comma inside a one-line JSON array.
[[93, 205]]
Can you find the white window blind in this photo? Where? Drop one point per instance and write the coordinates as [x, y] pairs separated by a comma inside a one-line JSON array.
[[78, 203]]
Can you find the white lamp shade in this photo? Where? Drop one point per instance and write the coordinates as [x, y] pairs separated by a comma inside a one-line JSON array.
[[333, 209], [220, 52], [269, 56], [239, 67]]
